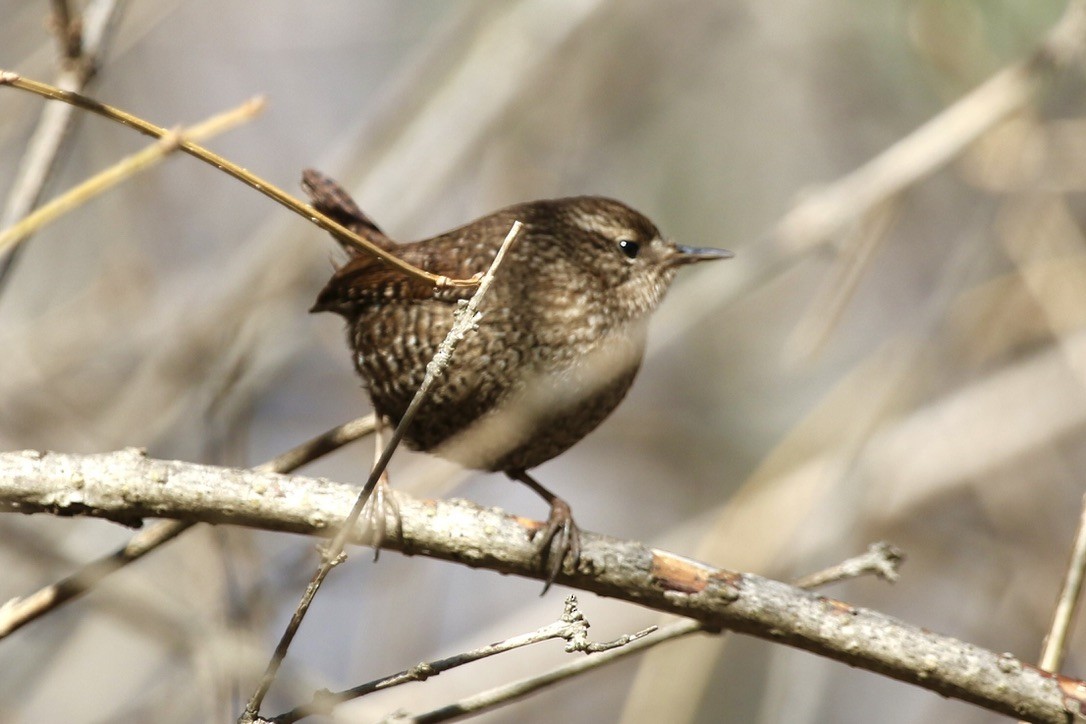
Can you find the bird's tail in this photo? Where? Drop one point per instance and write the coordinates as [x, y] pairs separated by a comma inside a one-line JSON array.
[[329, 198]]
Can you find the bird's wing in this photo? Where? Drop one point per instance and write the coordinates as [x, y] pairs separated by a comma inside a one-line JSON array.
[[366, 280]]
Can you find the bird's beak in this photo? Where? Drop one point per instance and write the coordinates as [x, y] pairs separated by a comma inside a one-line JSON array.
[[692, 255]]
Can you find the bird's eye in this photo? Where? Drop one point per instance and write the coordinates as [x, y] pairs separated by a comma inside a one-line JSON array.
[[629, 247]]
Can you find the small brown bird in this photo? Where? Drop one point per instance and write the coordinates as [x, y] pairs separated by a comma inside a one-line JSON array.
[[561, 336]]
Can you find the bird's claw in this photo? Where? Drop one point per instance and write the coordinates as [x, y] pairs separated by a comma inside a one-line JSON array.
[[557, 541], [381, 504]]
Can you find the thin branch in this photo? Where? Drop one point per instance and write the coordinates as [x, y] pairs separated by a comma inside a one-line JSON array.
[[127, 486], [572, 627], [1056, 642], [881, 559], [124, 169], [17, 612], [320, 445], [467, 316], [270, 190], [826, 211], [44, 147]]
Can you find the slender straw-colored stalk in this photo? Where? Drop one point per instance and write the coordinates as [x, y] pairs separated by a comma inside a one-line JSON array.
[[270, 190]]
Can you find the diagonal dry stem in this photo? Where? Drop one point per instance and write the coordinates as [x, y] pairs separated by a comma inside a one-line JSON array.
[[270, 190], [1070, 594], [466, 319], [124, 169]]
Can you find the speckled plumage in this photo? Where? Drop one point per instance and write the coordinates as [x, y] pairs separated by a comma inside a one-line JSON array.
[[561, 336]]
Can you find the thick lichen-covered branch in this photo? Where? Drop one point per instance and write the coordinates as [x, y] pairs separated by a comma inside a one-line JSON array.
[[127, 487]]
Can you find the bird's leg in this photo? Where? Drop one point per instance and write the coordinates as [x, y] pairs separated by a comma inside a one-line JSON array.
[[560, 539], [382, 501]]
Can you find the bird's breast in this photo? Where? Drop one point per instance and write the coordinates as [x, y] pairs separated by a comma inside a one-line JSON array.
[[516, 391]]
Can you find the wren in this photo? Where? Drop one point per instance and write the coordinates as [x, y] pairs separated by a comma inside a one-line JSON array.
[[560, 339]]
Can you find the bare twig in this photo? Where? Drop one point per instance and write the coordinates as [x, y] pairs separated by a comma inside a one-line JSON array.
[[44, 147], [17, 612], [467, 317], [1055, 643], [270, 190], [572, 627], [127, 486], [124, 169], [320, 445], [824, 212], [880, 559]]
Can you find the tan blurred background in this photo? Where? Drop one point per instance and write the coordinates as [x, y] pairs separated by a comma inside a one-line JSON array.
[[922, 379]]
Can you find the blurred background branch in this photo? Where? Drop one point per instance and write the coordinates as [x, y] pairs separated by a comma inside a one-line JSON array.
[[83, 40]]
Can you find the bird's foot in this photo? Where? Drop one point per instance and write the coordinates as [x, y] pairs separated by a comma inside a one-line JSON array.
[[557, 542], [382, 505]]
